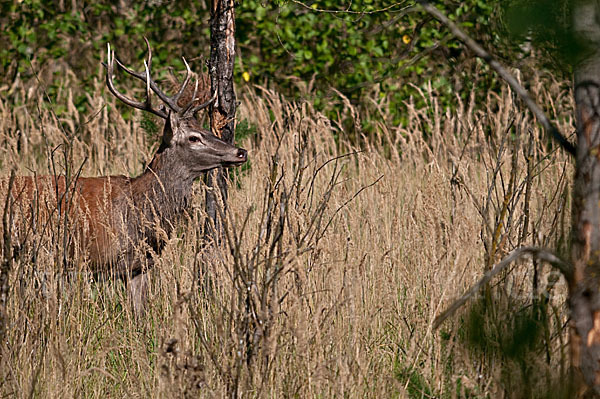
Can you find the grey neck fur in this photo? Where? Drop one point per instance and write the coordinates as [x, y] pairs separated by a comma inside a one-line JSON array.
[[161, 193]]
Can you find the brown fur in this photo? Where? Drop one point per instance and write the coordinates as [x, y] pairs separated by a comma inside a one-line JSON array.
[[121, 222]]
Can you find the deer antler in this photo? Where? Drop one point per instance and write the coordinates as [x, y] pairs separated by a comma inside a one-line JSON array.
[[170, 101], [145, 105]]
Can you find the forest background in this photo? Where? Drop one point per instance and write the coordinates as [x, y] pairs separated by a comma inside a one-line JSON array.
[[429, 169], [365, 49]]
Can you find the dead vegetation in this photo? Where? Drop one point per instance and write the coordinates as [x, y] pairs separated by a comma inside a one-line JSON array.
[[335, 262]]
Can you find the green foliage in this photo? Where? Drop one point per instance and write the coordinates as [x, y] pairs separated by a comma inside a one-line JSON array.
[[245, 129], [515, 334], [547, 25], [366, 49], [416, 384], [392, 51], [149, 125], [515, 337], [39, 34]]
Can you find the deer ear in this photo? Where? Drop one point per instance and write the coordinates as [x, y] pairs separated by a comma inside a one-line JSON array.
[[170, 129]]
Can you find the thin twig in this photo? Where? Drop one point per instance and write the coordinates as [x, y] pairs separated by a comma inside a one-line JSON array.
[[504, 74], [344, 205], [537, 253], [348, 11]]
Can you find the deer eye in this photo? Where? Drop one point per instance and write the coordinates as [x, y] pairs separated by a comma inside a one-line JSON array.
[[194, 139]]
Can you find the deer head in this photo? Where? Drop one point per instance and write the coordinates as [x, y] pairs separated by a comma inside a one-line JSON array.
[[183, 137]]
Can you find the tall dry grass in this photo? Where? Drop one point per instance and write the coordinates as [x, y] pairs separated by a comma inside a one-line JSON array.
[[335, 261]]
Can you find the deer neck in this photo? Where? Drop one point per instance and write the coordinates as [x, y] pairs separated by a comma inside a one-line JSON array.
[[164, 189]]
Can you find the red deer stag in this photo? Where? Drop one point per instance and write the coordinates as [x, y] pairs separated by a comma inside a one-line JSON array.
[[121, 221]]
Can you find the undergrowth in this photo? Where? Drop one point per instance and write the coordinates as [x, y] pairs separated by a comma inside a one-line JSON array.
[[334, 263]]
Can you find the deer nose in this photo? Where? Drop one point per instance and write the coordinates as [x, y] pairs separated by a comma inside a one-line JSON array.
[[242, 154]]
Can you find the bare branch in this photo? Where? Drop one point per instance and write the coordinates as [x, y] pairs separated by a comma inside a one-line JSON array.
[[504, 74], [348, 11], [538, 253]]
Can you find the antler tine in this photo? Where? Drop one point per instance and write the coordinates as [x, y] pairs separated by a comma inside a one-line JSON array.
[[189, 105], [148, 97], [149, 53], [143, 77], [202, 106], [188, 73], [146, 105]]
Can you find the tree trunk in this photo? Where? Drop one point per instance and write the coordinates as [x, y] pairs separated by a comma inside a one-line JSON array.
[[222, 115], [584, 298]]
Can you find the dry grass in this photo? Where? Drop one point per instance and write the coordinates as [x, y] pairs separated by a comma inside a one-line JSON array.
[[334, 268]]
